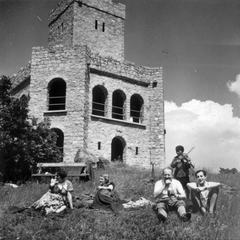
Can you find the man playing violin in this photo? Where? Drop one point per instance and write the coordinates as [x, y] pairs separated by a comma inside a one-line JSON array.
[[181, 165]]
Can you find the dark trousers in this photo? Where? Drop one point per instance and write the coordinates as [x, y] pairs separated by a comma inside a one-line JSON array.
[[184, 181], [211, 201]]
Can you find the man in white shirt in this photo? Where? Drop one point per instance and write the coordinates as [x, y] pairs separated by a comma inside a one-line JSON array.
[[169, 195], [204, 194]]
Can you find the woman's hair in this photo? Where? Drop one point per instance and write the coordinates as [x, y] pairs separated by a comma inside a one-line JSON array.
[[61, 173], [105, 178], [203, 171]]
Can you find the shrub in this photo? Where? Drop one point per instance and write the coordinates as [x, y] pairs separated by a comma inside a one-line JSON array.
[[24, 141]]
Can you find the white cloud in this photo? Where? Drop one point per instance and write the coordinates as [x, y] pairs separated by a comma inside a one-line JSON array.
[[234, 86], [208, 127]]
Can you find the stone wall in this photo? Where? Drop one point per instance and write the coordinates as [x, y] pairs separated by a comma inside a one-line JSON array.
[[21, 81], [108, 38], [70, 65], [148, 136], [97, 24], [61, 27]]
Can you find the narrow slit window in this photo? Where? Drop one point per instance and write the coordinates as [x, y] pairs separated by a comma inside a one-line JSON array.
[[99, 145], [103, 27], [154, 84], [96, 24], [79, 4], [136, 150]]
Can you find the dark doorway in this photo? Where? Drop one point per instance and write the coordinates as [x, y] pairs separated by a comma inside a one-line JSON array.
[[60, 138], [118, 145]]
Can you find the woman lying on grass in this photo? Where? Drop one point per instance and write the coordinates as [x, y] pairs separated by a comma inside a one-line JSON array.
[[59, 196], [106, 197]]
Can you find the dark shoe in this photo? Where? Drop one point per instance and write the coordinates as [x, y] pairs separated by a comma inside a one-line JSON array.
[[161, 218], [185, 217]]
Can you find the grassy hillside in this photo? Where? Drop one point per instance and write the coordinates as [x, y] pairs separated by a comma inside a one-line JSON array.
[[133, 224]]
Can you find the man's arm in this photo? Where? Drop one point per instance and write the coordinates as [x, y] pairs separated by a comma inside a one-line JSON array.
[[214, 184], [69, 198], [180, 192], [159, 187], [175, 161], [109, 187], [194, 186]]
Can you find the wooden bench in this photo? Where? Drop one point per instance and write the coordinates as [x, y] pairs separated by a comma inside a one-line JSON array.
[[79, 167]]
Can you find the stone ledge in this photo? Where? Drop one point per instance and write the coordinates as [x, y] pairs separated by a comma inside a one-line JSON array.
[[57, 112], [116, 76], [117, 121]]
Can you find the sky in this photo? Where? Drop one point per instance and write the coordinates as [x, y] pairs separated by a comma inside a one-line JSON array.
[[197, 42]]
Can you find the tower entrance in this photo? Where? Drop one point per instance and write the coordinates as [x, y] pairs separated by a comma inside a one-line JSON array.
[[118, 149]]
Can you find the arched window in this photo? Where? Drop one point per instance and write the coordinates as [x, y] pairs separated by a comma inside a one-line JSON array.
[[99, 101], [57, 95], [60, 138], [136, 108], [118, 105]]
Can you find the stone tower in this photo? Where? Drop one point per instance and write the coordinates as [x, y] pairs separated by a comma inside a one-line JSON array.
[[97, 24], [96, 100]]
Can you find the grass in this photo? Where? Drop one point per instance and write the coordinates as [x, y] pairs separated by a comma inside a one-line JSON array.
[[134, 224]]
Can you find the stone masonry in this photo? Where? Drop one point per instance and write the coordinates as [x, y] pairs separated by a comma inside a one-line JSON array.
[[107, 106]]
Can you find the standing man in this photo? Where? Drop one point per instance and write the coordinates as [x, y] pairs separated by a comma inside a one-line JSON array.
[[181, 164], [204, 194], [169, 195]]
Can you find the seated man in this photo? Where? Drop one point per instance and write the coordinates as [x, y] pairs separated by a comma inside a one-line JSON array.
[[204, 194], [169, 195]]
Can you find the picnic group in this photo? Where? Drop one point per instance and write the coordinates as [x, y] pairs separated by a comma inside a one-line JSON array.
[[170, 193]]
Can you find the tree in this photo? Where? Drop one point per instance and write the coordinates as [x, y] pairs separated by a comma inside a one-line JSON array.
[[23, 140]]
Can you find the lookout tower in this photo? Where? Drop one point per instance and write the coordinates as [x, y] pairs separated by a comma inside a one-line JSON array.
[[95, 99], [97, 24]]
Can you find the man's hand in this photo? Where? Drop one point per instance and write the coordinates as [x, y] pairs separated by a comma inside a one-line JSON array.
[[168, 181], [180, 157]]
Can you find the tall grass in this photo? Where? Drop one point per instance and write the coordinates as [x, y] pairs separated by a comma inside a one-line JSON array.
[[136, 224]]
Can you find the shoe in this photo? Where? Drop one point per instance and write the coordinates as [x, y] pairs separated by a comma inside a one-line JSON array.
[[185, 217], [161, 218]]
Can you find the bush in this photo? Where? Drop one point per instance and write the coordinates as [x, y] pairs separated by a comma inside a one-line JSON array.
[[24, 141]]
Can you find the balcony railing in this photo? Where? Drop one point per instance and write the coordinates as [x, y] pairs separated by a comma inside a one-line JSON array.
[[98, 109], [57, 103], [117, 112]]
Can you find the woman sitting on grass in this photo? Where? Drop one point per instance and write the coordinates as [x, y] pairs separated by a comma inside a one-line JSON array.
[[106, 197], [59, 196]]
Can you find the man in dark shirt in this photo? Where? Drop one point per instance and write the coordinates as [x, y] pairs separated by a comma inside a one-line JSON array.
[[181, 165]]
